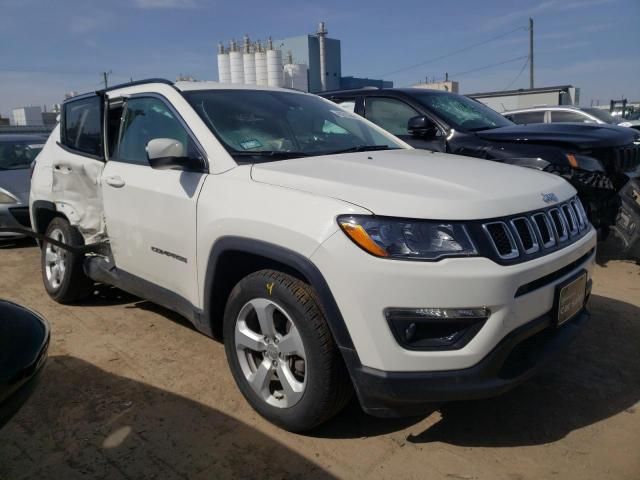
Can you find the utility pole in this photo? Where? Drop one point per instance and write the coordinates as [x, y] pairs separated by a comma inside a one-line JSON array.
[[105, 78], [530, 52]]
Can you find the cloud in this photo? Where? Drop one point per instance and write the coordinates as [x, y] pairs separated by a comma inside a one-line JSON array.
[[164, 3]]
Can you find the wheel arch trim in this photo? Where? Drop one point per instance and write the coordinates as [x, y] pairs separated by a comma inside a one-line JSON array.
[[284, 256]]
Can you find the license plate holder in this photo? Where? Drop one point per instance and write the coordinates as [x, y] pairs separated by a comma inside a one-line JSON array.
[[570, 298]]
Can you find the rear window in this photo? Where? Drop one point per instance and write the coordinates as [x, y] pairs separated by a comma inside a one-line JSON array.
[[528, 117], [82, 123]]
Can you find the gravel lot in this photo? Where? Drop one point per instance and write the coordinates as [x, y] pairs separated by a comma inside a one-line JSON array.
[[131, 391]]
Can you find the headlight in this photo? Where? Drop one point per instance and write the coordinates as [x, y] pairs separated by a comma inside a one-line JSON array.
[[625, 124], [6, 197], [582, 162], [407, 239]]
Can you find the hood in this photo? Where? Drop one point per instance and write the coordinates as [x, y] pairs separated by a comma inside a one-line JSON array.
[[17, 182], [581, 135], [417, 183]]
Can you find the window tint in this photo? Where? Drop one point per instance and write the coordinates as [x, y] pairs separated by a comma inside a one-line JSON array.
[[565, 116], [391, 114], [82, 126], [17, 155], [528, 117], [143, 120]]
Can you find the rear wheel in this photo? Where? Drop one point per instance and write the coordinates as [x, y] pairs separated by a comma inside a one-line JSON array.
[[62, 272], [281, 352]]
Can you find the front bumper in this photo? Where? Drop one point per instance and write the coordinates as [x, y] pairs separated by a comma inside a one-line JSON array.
[[518, 356], [364, 286], [14, 216]]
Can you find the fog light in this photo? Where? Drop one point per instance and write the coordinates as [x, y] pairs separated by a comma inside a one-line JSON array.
[[435, 328]]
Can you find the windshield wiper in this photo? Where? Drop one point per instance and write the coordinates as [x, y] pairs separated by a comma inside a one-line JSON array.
[[362, 148], [270, 154]]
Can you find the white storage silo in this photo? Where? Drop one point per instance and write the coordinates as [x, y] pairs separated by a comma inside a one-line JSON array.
[[237, 67], [275, 68], [295, 76], [249, 68], [262, 77], [224, 67]]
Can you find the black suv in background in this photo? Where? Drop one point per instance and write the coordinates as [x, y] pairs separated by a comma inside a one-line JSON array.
[[598, 160]]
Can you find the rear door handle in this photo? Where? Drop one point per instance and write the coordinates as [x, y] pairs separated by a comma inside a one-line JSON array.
[[115, 181]]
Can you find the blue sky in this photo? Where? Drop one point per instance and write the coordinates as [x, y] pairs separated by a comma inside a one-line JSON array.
[[50, 47]]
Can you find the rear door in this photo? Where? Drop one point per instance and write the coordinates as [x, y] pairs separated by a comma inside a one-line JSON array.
[[151, 214], [77, 164]]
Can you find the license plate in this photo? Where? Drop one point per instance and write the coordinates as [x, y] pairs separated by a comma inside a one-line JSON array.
[[571, 298]]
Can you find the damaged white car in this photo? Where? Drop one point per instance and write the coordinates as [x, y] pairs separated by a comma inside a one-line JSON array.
[[328, 255]]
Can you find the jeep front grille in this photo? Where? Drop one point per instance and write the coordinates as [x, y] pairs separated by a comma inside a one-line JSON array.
[[628, 158], [543, 230]]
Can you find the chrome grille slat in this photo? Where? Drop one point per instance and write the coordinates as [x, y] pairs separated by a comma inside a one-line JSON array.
[[542, 219], [493, 230], [528, 242], [559, 224], [533, 232]]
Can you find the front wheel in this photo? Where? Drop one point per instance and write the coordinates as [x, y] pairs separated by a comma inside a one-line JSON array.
[[281, 352]]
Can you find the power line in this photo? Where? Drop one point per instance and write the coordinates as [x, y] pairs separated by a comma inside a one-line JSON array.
[[489, 66], [455, 52], [524, 65]]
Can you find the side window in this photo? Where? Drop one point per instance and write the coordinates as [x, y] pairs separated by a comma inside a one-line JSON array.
[[389, 113], [349, 104], [83, 126], [566, 116], [144, 119], [527, 117]]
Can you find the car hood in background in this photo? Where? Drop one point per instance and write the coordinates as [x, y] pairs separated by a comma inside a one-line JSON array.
[[16, 182], [582, 135], [418, 184]]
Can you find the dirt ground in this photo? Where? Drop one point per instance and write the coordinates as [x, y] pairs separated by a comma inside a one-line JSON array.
[[131, 391]]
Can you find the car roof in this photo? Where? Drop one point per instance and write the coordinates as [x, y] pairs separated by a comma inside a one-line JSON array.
[[22, 137], [182, 86], [543, 108], [388, 91]]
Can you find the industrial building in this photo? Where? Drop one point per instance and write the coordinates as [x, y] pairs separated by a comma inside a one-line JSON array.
[[27, 117], [311, 63], [529, 97]]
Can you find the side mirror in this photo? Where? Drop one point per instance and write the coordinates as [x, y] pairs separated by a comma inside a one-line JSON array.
[[421, 126], [24, 341], [170, 154]]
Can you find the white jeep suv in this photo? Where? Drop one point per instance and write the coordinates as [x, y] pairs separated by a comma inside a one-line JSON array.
[[328, 255]]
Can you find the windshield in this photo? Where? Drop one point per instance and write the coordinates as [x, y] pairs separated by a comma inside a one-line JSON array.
[[261, 125], [462, 113], [602, 115], [17, 155]]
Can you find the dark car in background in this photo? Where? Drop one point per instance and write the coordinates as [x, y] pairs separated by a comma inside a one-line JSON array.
[[17, 153], [598, 160]]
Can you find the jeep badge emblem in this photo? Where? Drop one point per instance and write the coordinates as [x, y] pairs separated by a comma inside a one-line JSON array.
[[549, 197]]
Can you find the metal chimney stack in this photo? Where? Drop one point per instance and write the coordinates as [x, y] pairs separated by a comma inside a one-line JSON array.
[[322, 33]]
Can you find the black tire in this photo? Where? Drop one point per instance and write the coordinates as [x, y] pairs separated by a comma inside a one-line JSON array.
[[73, 284], [328, 386]]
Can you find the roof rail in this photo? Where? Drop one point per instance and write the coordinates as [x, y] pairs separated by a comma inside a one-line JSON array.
[[120, 85], [136, 82]]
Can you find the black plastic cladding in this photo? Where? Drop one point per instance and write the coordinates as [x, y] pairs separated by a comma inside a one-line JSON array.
[[486, 249]]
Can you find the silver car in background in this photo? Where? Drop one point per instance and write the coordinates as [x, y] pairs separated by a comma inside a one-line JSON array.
[[17, 152], [562, 114]]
